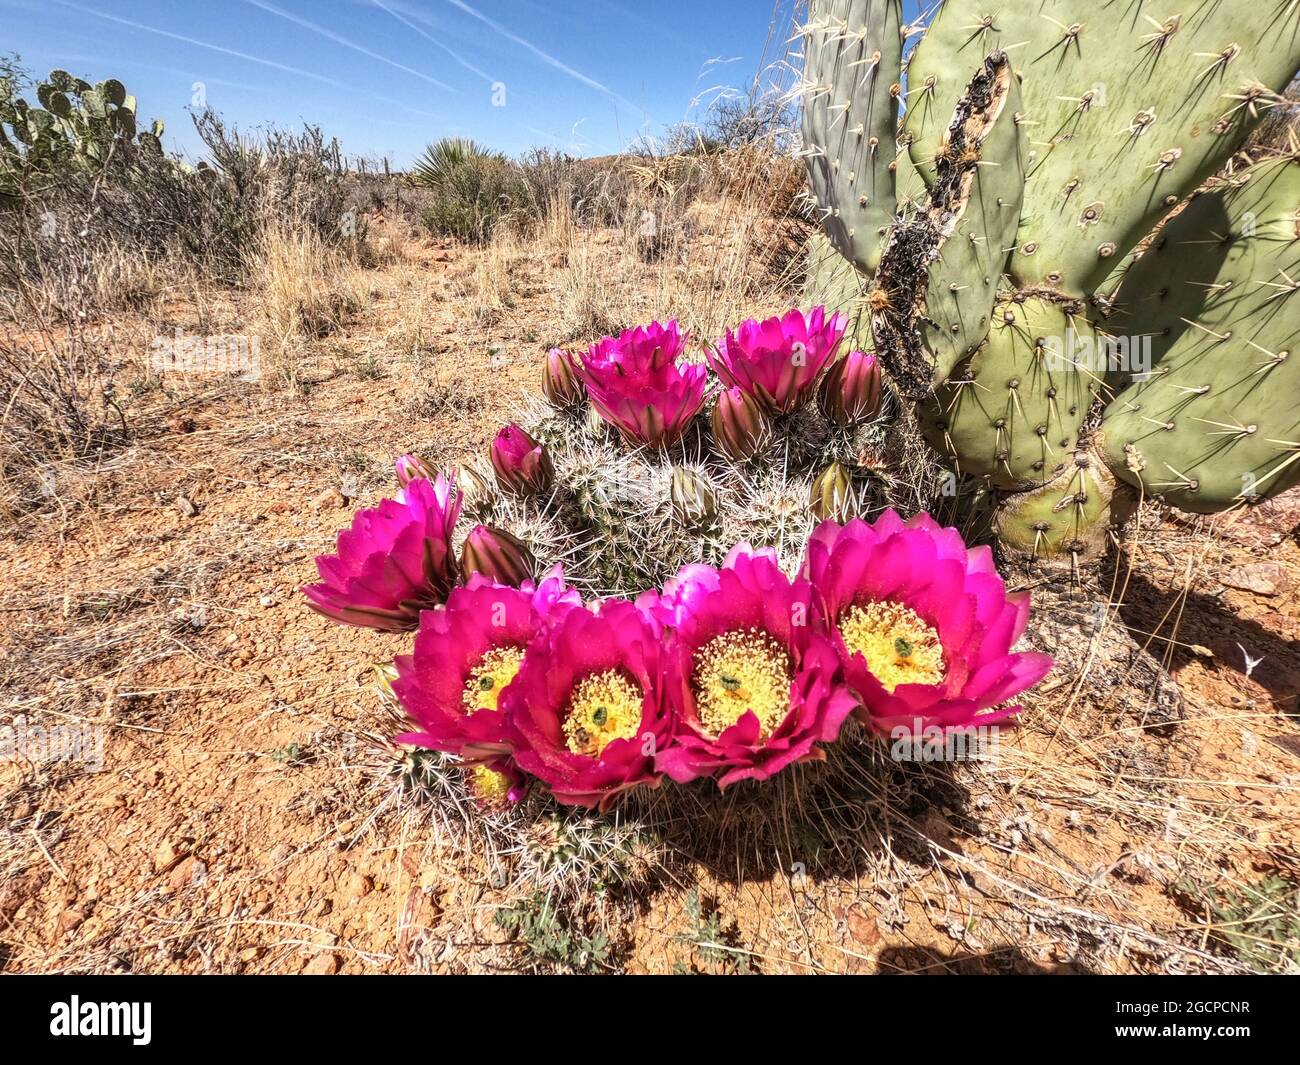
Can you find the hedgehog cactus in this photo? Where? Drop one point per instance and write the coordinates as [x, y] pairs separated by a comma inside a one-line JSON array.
[[1079, 309], [623, 509]]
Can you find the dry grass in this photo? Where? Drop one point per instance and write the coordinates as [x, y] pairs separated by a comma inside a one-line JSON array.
[[306, 291]]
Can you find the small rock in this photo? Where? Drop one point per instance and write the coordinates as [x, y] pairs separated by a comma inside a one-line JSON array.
[[330, 499], [322, 965], [862, 928], [189, 873], [70, 919], [1262, 578], [358, 886], [167, 855], [250, 954], [186, 506]]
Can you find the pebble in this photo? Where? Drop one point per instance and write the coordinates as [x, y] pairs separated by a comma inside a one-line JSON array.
[[1262, 578], [322, 965]]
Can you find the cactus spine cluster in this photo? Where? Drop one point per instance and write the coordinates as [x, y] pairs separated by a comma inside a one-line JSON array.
[[1094, 299]]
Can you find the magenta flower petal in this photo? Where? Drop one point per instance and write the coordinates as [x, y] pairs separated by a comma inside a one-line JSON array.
[[522, 465], [778, 361], [394, 560], [759, 686], [923, 625], [634, 383], [590, 706], [466, 654]]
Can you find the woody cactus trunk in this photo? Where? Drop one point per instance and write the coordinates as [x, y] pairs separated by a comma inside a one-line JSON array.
[[1068, 266]]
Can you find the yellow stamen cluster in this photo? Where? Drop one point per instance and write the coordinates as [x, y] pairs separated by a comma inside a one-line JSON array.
[[738, 672], [489, 678], [899, 647], [491, 788], [602, 708]]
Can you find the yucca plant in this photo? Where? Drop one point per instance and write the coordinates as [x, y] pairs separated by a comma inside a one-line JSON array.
[[443, 158]]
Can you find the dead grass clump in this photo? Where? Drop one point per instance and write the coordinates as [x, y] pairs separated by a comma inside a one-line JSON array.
[[306, 290], [56, 406]]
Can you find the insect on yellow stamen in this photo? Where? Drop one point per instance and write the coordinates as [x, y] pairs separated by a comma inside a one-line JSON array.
[[899, 647], [489, 678], [603, 707], [738, 672]]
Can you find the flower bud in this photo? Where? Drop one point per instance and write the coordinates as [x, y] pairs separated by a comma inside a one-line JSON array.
[[522, 465], [694, 504], [496, 554], [476, 490], [409, 467], [560, 384], [850, 392], [831, 498], [739, 426]]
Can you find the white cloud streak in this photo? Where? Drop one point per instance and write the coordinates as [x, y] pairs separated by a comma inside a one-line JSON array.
[[545, 57], [337, 38], [434, 40]]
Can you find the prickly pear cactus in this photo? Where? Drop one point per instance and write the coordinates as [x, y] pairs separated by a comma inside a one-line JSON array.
[[852, 75], [1058, 352], [982, 178], [1128, 113], [1217, 420], [1013, 411], [76, 125]]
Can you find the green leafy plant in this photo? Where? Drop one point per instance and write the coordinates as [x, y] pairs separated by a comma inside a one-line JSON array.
[[1259, 923], [550, 936]]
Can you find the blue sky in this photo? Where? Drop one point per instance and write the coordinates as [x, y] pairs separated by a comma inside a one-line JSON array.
[[388, 76]]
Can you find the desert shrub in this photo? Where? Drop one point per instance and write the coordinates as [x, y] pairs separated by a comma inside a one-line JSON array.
[[473, 195]]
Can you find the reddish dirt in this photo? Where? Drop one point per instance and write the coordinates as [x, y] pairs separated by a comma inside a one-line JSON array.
[[237, 825]]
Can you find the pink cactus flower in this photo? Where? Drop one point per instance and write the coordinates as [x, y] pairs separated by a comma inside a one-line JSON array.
[[760, 686], [559, 385], [923, 624], [778, 361], [465, 655], [589, 708], [409, 467], [394, 561], [634, 383]]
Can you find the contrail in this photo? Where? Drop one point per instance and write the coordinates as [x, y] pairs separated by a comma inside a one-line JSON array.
[[204, 44], [545, 57], [338, 39], [434, 40]]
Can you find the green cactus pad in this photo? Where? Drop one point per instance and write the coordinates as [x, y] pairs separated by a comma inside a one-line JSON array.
[[984, 168], [1217, 423], [835, 283], [1128, 111], [1013, 411], [1067, 519], [852, 69]]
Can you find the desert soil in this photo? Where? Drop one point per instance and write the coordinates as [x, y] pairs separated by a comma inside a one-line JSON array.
[[243, 822]]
